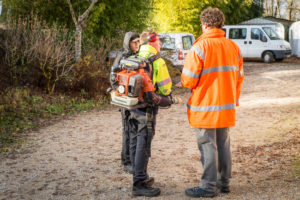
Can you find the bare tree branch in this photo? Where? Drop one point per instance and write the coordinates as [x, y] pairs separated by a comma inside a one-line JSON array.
[[80, 26], [84, 16], [72, 12]]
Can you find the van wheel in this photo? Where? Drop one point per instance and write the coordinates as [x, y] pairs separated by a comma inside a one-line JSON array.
[[268, 57]]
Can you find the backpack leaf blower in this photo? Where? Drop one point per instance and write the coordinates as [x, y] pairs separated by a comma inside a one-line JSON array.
[[129, 81]]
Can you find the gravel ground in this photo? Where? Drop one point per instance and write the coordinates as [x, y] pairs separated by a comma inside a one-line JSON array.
[[79, 157]]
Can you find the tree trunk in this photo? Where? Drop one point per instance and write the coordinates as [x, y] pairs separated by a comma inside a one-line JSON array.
[[80, 24], [78, 34], [272, 8], [267, 9], [277, 9], [289, 9]]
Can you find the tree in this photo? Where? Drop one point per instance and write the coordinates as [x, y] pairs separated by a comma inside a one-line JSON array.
[[80, 24], [184, 15], [287, 9], [112, 17], [107, 17], [293, 10]]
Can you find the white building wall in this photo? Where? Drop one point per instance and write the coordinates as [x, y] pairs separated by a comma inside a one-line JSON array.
[[294, 35]]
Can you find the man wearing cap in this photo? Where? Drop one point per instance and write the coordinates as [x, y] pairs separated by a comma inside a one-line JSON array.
[[142, 121], [131, 46]]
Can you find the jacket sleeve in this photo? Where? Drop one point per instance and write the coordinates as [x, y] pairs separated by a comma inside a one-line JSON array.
[[192, 68], [152, 98], [161, 78], [240, 78], [117, 59]]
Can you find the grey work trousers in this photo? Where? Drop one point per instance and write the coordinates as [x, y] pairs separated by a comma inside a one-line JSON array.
[[139, 150], [214, 145], [125, 155]]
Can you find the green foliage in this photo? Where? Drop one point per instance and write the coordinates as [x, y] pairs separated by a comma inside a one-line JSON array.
[[184, 15], [107, 18], [296, 169], [22, 109], [53, 12]]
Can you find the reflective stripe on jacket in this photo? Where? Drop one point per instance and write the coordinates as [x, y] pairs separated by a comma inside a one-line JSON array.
[[213, 70], [161, 76]]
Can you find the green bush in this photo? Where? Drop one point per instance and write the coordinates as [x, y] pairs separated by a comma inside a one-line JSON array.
[[36, 54], [39, 55]]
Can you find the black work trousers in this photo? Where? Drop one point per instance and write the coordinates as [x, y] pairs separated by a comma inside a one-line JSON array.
[[139, 145], [125, 155]]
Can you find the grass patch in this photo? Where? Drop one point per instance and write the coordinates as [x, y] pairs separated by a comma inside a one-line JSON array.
[[296, 170], [22, 109]]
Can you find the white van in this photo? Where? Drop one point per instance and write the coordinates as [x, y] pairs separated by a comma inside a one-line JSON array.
[[258, 41], [175, 46]]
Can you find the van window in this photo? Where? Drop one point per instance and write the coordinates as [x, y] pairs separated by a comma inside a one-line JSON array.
[[187, 42], [237, 33], [257, 34], [167, 43], [271, 33]]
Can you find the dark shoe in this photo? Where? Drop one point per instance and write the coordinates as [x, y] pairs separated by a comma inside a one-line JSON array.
[[144, 190], [149, 182], [128, 169], [199, 192], [223, 189]]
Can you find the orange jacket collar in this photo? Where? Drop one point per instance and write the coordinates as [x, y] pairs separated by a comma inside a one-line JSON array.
[[211, 33]]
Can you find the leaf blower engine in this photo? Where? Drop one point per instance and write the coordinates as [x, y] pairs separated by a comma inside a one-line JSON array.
[[129, 81]]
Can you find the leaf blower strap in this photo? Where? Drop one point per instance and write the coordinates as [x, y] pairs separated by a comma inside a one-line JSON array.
[[154, 58], [150, 131], [149, 68]]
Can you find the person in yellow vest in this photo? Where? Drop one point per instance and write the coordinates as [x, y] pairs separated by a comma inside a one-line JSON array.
[[213, 70], [142, 121]]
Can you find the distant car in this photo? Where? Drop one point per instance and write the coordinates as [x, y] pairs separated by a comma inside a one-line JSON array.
[[175, 46]]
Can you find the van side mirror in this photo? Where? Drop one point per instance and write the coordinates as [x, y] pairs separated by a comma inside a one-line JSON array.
[[264, 39]]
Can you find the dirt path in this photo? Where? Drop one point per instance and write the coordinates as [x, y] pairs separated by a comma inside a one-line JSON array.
[[79, 158]]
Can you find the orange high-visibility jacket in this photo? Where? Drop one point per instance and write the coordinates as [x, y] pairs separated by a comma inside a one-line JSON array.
[[213, 70]]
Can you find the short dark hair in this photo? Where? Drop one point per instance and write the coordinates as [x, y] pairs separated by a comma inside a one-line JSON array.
[[212, 17]]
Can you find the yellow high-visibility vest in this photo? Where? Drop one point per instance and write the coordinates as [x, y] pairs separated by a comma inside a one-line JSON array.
[[161, 77]]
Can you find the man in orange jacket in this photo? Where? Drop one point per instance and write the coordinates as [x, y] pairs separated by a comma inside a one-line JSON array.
[[213, 70]]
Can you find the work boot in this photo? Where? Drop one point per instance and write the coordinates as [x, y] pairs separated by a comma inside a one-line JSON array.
[[149, 181], [222, 188], [142, 189], [199, 192], [128, 169]]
